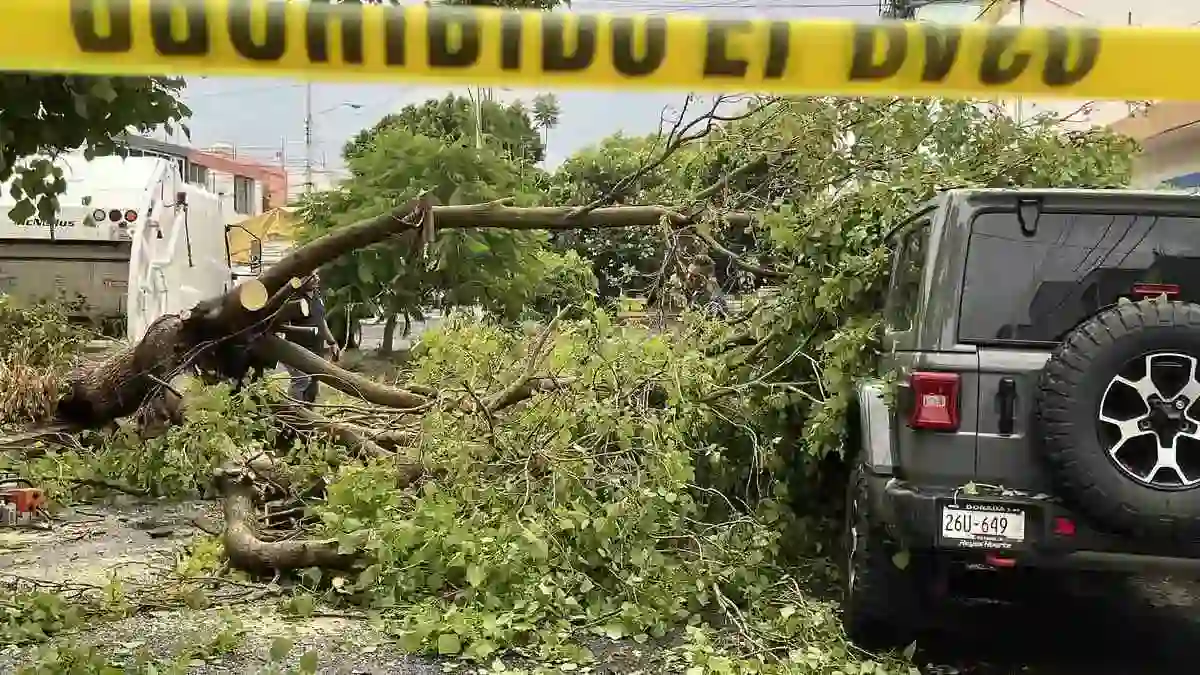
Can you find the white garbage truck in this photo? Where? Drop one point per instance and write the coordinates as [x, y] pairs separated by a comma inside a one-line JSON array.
[[131, 241]]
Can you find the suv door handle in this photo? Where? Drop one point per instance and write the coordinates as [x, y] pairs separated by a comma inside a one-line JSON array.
[[1006, 402]]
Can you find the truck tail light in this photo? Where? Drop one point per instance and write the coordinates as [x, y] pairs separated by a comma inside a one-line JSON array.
[[935, 401], [130, 216]]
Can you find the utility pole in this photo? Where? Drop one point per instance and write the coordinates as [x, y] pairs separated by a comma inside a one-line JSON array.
[[1020, 22], [475, 94], [308, 137]]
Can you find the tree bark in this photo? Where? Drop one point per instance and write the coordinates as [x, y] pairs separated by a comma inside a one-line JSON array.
[[242, 544], [389, 335], [278, 349]]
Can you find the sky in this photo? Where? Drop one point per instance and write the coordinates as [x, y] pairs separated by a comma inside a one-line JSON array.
[[261, 117]]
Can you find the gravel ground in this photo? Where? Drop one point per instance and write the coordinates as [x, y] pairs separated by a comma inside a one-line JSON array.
[[1146, 625]]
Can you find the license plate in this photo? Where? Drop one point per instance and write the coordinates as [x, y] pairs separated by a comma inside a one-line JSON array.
[[983, 523]]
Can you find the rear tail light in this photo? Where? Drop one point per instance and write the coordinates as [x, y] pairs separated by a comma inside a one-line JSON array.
[[130, 216], [114, 215], [935, 401], [1064, 527], [1155, 290]]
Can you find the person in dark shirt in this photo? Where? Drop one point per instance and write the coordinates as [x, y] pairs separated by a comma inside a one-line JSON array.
[[313, 334]]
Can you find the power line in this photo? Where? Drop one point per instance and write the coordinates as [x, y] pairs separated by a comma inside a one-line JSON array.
[[987, 8], [244, 90], [1066, 9]]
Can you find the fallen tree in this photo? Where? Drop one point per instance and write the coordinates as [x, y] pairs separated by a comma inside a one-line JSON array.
[[227, 337]]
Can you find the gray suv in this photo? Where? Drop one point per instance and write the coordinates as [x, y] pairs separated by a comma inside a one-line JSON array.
[[1040, 411]]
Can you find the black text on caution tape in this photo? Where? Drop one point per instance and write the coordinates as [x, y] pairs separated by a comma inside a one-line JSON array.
[[636, 46]]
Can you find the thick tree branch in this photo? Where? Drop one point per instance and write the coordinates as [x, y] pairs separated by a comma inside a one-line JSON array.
[[302, 261], [277, 349], [247, 551], [736, 259]]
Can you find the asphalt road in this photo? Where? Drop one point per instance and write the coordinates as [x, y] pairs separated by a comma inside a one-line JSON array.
[[1139, 626]]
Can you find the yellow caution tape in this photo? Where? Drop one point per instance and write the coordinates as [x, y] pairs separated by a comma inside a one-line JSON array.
[[354, 42]]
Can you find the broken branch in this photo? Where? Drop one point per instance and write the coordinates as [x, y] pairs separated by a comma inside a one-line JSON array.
[[278, 349]]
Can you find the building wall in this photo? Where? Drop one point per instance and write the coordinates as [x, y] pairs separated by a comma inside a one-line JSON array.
[[1169, 134], [247, 188], [322, 179]]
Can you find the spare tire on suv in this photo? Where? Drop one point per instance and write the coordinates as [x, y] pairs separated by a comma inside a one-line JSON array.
[[1119, 416]]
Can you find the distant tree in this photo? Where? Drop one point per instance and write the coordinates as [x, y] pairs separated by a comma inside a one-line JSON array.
[[498, 270], [546, 112], [452, 118], [625, 260]]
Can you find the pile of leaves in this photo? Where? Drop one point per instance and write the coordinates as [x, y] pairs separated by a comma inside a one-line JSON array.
[[580, 511], [579, 516]]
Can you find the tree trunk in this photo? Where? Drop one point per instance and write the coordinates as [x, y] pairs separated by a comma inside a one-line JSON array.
[[389, 335]]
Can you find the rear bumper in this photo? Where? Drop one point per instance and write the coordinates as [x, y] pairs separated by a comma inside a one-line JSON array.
[[913, 515]]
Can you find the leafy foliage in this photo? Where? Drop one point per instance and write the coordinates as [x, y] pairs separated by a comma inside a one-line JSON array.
[[625, 260], [46, 115], [828, 179], [546, 113], [453, 119], [564, 281], [218, 425], [495, 269], [579, 512]]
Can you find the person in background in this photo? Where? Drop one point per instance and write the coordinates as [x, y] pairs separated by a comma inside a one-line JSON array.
[[706, 293], [313, 334]]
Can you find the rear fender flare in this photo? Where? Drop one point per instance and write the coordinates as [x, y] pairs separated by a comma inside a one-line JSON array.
[[871, 427]]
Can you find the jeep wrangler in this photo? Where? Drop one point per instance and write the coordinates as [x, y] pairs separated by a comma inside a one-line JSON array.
[[1045, 408]]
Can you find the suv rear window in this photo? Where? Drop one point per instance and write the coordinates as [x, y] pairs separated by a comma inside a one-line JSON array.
[[1020, 288]]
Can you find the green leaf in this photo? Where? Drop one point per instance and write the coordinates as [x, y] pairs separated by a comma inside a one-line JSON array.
[[369, 577], [280, 647], [309, 662], [476, 575], [448, 644], [302, 604], [22, 211]]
